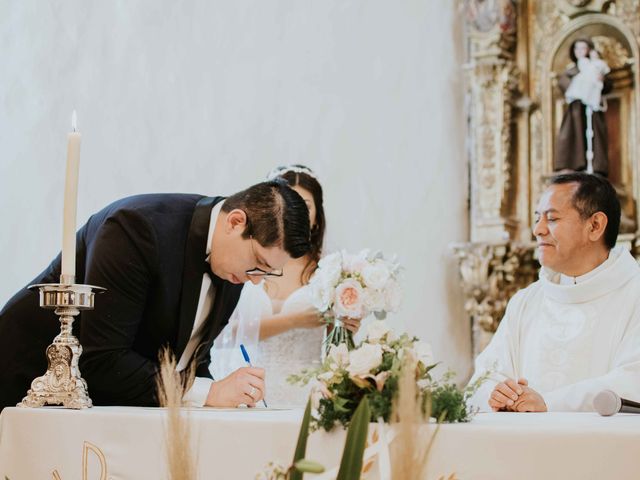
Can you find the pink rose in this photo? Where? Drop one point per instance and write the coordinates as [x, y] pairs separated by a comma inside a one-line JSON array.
[[349, 299]]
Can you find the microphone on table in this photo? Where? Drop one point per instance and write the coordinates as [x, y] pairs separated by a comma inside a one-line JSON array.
[[609, 403]]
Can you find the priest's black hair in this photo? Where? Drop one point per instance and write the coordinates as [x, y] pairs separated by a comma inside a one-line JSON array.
[[594, 194]]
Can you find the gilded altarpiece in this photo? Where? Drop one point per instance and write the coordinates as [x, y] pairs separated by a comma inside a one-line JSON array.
[[516, 50]]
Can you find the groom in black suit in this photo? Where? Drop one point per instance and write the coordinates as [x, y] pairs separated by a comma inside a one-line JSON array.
[[173, 266]]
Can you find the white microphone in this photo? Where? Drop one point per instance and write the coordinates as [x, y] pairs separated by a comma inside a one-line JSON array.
[[608, 403]]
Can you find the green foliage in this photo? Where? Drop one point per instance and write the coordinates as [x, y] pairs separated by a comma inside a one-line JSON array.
[[343, 390], [448, 404], [351, 463], [381, 402], [304, 377]]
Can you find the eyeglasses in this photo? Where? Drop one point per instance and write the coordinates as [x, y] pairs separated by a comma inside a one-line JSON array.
[[258, 272]]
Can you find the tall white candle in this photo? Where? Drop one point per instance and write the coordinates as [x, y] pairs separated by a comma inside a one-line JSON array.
[[70, 204]]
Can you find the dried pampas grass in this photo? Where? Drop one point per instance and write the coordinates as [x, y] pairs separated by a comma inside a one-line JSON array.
[[181, 459], [414, 438]]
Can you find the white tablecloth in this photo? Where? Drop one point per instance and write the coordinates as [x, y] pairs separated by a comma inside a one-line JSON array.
[[128, 443]]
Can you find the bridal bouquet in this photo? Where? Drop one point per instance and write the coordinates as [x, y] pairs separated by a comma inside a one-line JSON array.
[[353, 286], [372, 370]]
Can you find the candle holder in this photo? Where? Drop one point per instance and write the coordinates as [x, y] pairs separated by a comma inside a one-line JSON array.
[[62, 383]]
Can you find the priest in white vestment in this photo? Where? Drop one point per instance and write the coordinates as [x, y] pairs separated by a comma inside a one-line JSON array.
[[575, 331]]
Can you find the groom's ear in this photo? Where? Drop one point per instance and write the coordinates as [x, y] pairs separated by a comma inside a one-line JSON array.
[[236, 221]]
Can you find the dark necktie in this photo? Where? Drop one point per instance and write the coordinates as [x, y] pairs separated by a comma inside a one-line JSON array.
[[207, 326]]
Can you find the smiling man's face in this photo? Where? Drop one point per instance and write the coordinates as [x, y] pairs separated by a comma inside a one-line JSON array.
[[561, 234]]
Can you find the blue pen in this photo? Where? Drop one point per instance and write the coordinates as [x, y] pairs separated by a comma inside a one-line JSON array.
[[248, 360]]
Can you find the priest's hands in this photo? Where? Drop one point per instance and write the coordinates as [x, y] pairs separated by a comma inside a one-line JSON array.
[[505, 395], [244, 386], [516, 397], [530, 400]]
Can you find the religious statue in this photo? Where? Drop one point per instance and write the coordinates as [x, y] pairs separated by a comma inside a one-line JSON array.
[[582, 140]]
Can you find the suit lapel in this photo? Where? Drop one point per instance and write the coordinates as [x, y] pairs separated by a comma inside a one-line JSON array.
[[194, 267]]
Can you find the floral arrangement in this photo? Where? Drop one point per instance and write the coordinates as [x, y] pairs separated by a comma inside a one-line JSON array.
[[354, 286], [373, 370]]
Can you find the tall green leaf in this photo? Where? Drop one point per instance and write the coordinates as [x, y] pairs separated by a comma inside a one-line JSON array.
[[351, 463], [301, 447]]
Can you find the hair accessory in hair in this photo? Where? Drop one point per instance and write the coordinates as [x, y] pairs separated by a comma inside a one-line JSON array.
[[296, 168]]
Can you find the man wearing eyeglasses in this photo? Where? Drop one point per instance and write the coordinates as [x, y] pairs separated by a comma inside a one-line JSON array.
[[173, 266]]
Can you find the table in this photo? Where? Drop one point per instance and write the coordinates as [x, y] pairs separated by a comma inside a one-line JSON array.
[[128, 443]]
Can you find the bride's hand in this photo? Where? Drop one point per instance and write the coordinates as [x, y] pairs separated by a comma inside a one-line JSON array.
[[308, 318], [351, 324], [244, 386]]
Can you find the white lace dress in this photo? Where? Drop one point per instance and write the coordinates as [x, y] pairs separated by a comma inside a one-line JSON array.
[[280, 355]]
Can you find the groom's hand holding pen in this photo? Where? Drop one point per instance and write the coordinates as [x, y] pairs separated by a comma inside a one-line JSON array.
[[248, 360], [245, 386]]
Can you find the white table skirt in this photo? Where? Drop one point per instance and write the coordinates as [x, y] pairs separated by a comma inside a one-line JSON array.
[[236, 444]]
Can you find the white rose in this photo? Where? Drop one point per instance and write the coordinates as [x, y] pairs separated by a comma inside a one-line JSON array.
[[330, 275], [355, 263], [374, 300], [330, 268], [376, 275], [393, 296], [349, 299], [377, 330], [423, 353], [331, 261], [364, 359], [322, 298], [339, 354]]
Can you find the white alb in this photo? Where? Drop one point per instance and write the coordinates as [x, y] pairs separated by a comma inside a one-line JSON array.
[[570, 341]]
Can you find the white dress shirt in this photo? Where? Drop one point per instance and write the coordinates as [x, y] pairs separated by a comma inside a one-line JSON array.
[[196, 396]]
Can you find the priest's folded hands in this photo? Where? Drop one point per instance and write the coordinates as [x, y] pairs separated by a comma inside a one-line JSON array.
[[509, 396]]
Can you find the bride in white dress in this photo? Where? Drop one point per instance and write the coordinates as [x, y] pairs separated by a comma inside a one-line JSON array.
[[275, 319]]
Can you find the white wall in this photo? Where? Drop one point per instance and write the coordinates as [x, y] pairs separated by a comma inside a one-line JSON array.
[[207, 96]]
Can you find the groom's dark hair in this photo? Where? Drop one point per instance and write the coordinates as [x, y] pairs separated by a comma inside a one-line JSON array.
[[594, 194], [276, 216]]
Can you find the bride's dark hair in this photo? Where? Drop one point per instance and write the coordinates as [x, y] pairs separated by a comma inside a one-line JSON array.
[[296, 175]]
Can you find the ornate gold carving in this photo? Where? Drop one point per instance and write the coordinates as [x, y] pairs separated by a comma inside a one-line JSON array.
[[578, 3], [488, 15], [612, 51], [495, 85], [537, 159], [514, 113], [490, 275], [573, 8], [547, 21], [493, 80], [629, 13]]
